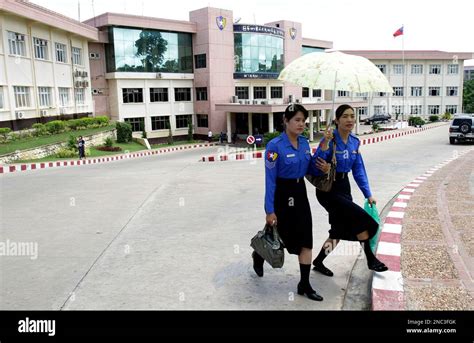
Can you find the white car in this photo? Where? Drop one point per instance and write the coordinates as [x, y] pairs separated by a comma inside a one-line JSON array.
[[462, 128]]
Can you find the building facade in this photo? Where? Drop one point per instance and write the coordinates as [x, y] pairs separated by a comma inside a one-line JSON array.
[[44, 65], [468, 73], [425, 83]]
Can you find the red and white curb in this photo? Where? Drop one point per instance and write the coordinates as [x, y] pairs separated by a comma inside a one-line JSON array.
[[5, 169], [387, 287], [250, 155]]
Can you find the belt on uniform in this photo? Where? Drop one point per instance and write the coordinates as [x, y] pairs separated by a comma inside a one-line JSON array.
[[290, 181], [341, 176]]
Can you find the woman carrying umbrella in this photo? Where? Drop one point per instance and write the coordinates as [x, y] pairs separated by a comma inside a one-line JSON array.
[[348, 220]]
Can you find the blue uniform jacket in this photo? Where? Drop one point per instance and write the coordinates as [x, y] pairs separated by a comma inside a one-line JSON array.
[[348, 158], [282, 160]]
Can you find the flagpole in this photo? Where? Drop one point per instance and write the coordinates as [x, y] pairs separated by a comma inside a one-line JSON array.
[[405, 71]]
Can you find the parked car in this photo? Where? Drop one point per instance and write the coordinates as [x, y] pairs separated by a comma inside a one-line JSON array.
[[462, 128], [378, 118]]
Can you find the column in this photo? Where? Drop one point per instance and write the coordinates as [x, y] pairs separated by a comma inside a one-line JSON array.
[[318, 120], [229, 127], [311, 126], [357, 119], [250, 124], [270, 122]]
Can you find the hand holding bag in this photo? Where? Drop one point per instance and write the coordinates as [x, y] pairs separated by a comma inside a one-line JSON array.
[[324, 182], [268, 244]]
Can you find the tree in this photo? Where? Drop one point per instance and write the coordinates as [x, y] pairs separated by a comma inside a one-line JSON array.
[[190, 130], [468, 96], [152, 47]]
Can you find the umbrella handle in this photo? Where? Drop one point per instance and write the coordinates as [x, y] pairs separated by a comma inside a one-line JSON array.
[[333, 114]]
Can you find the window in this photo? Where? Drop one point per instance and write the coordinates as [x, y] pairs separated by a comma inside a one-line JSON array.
[[41, 48], [60, 52], [200, 61], [22, 96], [453, 69], [158, 95], [63, 96], [242, 92], [379, 109], [433, 109], [160, 123], [417, 68], [416, 91], [77, 56], [380, 94], [433, 91], [382, 67], [44, 94], [259, 92], [132, 95], [79, 96], [316, 93], [16, 42], [182, 121], [451, 91], [1, 97], [362, 111], [276, 92], [398, 69], [361, 95], [201, 93], [182, 94], [138, 124], [343, 93], [202, 120], [453, 109], [435, 68], [305, 92], [398, 91], [397, 109], [416, 109]]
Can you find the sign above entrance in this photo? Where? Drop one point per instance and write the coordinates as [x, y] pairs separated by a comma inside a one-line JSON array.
[[250, 139], [256, 75], [259, 29]]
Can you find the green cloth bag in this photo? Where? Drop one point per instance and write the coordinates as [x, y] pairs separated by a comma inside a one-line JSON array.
[[374, 213]]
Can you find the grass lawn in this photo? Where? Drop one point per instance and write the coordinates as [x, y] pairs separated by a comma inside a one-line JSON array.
[[33, 142], [130, 147]]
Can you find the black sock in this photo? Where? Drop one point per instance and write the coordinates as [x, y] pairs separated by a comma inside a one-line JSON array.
[[305, 269], [368, 251], [321, 256]]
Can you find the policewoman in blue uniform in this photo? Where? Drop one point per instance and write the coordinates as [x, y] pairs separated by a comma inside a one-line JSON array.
[[287, 159], [348, 220]]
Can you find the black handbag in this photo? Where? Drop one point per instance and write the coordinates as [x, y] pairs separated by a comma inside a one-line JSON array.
[[268, 244], [324, 182]]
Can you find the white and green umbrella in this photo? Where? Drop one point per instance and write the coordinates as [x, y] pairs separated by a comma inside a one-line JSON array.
[[336, 71]]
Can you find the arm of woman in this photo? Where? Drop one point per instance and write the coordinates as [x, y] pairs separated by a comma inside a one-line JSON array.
[[360, 176], [271, 173]]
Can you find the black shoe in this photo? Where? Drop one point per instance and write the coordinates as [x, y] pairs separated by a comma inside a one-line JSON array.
[[322, 269], [377, 266], [310, 293], [258, 263]]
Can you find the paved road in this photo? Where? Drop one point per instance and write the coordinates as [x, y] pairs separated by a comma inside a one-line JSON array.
[[168, 232]]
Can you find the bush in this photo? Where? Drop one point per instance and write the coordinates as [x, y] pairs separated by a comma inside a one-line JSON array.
[[108, 142], [109, 148], [40, 129], [124, 132], [72, 143], [87, 122], [4, 131], [170, 134], [144, 134], [269, 136], [66, 153], [190, 130], [55, 126], [434, 118], [375, 127], [102, 120], [415, 121], [446, 116]]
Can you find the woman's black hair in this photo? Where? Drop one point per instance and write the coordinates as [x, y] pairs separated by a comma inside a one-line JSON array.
[[340, 110], [293, 109]]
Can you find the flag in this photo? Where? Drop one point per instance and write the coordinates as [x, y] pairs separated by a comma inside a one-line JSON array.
[[399, 32]]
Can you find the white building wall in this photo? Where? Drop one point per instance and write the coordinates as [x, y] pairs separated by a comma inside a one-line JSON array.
[[33, 73]]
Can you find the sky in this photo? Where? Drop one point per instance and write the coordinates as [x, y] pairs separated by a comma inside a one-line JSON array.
[[350, 25]]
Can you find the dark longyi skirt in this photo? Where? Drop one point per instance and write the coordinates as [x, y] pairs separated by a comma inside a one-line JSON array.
[[347, 219], [293, 213]]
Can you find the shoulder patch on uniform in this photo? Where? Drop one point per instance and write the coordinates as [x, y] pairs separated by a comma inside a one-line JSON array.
[[271, 156]]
